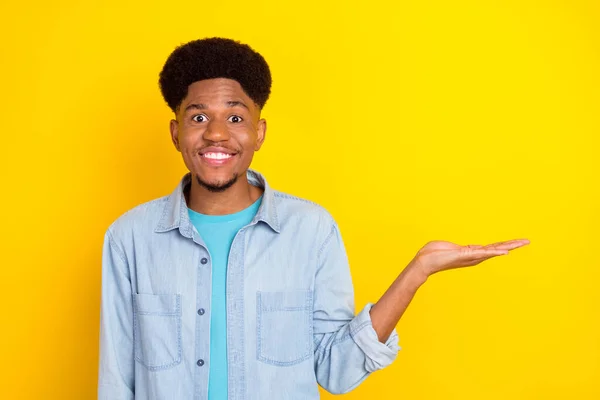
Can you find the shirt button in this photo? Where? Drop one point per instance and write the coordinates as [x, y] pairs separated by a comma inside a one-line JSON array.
[[201, 311], [200, 362], [204, 260]]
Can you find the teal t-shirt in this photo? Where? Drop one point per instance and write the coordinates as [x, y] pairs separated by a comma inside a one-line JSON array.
[[218, 232]]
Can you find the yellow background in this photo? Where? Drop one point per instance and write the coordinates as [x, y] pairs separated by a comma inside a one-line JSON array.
[[467, 121]]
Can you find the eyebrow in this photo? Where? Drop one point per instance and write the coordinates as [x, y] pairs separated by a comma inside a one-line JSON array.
[[200, 106]]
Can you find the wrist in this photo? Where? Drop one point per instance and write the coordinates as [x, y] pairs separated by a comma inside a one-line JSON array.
[[417, 271]]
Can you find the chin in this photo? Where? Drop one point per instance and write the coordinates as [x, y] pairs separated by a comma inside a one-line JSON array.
[[216, 182]]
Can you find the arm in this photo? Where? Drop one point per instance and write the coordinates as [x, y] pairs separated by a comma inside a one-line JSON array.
[[434, 257], [390, 307], [116, 369], [347, 348]]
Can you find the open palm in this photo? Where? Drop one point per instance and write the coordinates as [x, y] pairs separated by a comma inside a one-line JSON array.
[[439, 255]]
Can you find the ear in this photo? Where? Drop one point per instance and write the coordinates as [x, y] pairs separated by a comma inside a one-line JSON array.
[[261, 131], [174, 127]]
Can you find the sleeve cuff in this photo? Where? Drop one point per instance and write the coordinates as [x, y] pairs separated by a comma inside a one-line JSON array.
[[377, 355]]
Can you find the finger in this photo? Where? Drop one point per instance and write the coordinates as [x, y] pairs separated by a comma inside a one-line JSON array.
[[478, 260], [508, 245], [483, 252], [507, 242]]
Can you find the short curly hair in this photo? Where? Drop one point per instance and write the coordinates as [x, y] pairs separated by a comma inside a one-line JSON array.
[[214, 58]]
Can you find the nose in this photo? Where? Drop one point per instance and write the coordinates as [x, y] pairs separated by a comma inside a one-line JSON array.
[[216, 131]]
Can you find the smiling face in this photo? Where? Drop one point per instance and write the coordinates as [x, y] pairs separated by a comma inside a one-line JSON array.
[[217, 130]]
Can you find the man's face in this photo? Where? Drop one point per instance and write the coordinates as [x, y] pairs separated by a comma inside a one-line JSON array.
[[217, 130]]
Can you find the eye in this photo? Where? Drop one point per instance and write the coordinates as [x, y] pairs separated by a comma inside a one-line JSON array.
[[200, 118], [235, 119]]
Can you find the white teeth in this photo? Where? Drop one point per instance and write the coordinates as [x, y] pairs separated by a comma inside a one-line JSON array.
[[217, 156]]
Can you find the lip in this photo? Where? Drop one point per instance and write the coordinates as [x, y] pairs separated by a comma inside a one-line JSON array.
[[215, 149], [214, 162]]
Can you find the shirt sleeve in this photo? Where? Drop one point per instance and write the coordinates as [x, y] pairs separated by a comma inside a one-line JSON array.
[[346, 347], [116, 365]]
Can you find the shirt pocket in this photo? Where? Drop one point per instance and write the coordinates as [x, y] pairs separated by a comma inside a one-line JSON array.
[[157, 330], [284, 327]]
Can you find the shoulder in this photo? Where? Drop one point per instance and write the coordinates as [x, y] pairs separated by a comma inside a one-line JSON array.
[[143, 217], [296, 212], [293, 204]]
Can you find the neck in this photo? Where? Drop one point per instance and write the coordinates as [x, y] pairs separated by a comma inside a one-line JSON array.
[[236, 198]]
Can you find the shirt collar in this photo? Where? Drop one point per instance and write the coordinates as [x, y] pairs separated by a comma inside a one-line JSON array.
[[175, 210]]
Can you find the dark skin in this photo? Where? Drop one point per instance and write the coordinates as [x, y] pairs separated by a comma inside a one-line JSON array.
[[217, 113]]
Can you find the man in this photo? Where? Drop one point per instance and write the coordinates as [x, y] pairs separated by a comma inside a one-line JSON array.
[[227, 288]]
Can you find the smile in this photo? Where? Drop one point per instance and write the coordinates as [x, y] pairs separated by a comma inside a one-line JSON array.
[[216, 159], [217, 156]]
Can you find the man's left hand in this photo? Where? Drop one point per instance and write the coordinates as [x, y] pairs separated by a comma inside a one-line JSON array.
[[438, 255]]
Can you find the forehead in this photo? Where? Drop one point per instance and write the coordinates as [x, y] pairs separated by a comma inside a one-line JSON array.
[[215, 90]]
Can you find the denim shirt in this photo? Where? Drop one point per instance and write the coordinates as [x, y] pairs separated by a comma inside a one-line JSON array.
[[290, 305]]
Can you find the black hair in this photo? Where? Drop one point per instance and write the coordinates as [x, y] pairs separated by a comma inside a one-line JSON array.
[[214, 58]]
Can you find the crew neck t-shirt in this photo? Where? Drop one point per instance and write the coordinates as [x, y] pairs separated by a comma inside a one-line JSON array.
[[218, 232]]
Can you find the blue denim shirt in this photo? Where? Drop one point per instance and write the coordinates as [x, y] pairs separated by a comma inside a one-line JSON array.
[[290, 305]]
